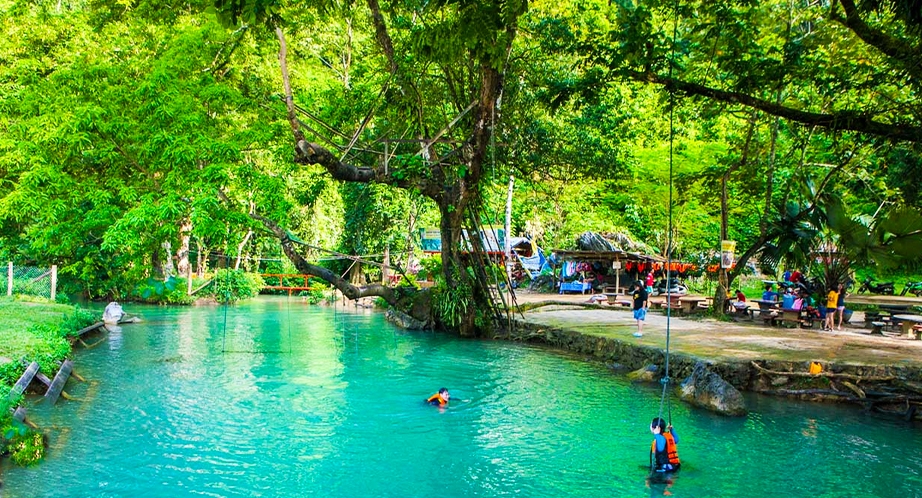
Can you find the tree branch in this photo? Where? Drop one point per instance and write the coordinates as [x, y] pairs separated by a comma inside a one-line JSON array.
[[381, 34], [837, 121], [901, 50], [831, 375], [286, 81], [348, 290]]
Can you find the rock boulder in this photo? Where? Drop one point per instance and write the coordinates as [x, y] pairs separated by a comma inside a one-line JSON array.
[[708, 390], [403, 320]]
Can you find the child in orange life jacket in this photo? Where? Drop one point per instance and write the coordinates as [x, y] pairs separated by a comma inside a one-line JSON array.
[[663, 454], [440, 398]]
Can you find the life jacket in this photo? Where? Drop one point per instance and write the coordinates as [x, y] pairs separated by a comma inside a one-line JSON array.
[[435, 399], [669, 455]]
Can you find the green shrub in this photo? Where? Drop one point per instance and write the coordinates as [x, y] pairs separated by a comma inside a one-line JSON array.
[[234, 285], [452, 304], [169, 291], [79, 319], [7, 405], [431, 268], [320, 290], [26, 447]]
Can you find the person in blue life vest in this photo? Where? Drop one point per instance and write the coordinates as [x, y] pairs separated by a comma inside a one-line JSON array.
[[664, 457], [440, 398]]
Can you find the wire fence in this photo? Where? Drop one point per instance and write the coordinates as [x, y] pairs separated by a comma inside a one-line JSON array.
[[32, 281]]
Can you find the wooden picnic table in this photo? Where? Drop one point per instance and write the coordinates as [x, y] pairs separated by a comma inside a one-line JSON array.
[[768, 310], [616, 299], [689, 304], [908, 322], [895, 308]]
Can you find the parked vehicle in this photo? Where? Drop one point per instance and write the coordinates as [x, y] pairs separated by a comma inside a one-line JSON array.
[[806, 284], [914, 288], [881, 288], [676, 287]]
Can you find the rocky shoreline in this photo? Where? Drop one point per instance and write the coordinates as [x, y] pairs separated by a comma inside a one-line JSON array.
[[891, 389]]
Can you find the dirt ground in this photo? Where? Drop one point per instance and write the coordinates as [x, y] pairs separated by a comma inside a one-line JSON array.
[[708, 338]]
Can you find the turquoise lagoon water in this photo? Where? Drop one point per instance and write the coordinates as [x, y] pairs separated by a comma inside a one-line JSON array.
[[299, 400]]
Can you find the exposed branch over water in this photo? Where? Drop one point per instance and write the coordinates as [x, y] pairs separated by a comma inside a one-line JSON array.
[[830, 375]]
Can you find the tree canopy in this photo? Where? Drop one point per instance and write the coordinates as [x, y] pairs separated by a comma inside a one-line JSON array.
[[148, 139]]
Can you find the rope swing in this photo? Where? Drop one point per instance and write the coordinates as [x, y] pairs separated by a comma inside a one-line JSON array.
[[669, 243]]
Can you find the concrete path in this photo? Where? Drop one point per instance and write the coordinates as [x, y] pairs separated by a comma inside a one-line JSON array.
[[708, 338]]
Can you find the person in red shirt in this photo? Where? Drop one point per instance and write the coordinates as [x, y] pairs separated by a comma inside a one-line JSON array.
[[649, 282]]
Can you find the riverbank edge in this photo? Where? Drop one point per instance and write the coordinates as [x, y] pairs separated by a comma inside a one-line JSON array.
[[891, 389]]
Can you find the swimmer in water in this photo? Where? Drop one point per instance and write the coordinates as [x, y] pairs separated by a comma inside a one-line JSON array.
[[440, 398]]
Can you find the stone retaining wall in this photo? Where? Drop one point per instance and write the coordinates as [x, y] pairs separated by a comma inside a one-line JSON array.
[[741, 374]]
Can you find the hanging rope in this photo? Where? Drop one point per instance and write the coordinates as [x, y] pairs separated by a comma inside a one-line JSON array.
[[226, 300], [289, 322], [669, 242]]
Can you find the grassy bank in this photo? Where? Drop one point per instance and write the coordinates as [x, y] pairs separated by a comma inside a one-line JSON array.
[[35, 331], [31, 330]]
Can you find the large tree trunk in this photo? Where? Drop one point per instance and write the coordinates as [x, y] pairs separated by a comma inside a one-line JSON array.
[[726, 277], [451, 192], [182, 254], [240, 247], [168, 268], [457, 279]]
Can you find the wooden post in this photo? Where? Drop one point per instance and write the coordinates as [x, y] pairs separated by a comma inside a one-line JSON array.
[[57, 385], [9, 281], [385, 269], [54, 281], [189, 280], [507, 246], [23, 382]]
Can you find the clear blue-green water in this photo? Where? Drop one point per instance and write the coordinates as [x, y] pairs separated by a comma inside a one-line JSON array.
[[308, 402]]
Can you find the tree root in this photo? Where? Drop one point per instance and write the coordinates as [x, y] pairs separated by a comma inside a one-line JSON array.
[[830, 375]]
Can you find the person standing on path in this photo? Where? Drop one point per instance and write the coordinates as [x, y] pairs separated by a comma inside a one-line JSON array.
[[649, 282], [840, 304], [832, 300], [641, 304]]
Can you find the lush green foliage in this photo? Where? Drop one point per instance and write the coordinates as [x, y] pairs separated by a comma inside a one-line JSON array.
[[431, 267], [36, 332], [170, 291], [454, 303], [130, 136], [26, 447], [233, 285]]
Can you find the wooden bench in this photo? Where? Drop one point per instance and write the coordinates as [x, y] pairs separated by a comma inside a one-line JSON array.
[[742, 313], [768, 313], [908, 324], [790, 317], [917, 332], [617, 299], [690, 305]]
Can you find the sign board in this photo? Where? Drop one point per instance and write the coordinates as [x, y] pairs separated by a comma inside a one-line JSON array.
[[727, 248], [492, 238], [615, 265], [430, 239]]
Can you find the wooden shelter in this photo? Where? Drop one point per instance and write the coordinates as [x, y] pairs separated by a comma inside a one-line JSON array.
[[616, 259]]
